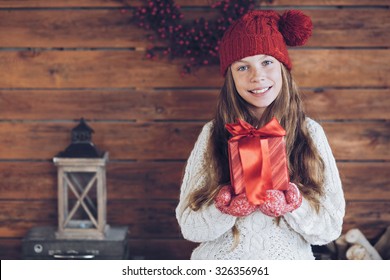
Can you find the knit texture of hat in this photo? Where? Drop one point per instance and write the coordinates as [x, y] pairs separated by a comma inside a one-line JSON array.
[[264, 32]]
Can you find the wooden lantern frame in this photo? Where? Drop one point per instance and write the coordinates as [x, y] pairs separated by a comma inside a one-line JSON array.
[[68, 226]]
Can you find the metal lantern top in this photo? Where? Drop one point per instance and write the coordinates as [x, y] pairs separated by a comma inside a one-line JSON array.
[[81, 145]]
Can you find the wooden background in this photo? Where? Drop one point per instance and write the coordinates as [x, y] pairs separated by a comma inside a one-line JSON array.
[[66, 59]]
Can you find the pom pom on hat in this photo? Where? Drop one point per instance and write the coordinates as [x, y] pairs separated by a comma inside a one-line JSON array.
[[296, 27]]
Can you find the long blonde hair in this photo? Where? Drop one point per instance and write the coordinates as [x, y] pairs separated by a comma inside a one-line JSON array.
[[305, 166]]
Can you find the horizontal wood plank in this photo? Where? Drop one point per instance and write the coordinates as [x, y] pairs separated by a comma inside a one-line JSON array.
[[349, 28], [157, 220], [173, 140], [121, 69], [347, 104], [121, 140], [113, 28], [318, 65], [11, 228], [371, 218], [161, 180], [359, 141], [324, 104], [76, 29], [10, 248], [134, 3], [110, 104], [365, 180], [28, 180]]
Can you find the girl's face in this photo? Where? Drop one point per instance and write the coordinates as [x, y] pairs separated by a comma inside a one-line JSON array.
[[258, 80]]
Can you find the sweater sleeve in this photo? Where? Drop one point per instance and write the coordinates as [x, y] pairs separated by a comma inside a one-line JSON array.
[[208, 223], [326, 225]]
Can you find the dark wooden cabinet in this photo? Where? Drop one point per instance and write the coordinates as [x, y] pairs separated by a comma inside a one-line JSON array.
[[41, 243]]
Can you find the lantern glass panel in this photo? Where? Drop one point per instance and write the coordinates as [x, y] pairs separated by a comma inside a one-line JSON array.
[[81, 210]]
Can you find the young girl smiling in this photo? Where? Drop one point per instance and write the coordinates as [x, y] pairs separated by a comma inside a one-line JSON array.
[[259, 87]]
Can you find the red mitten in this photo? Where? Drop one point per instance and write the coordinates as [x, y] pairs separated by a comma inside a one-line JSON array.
[[293, 197], [224, 196], [238, 206], [275, 203]]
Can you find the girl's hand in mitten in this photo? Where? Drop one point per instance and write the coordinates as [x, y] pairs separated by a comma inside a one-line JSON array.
[[237, 206], [293, 197], [275, 203], [224, 196]]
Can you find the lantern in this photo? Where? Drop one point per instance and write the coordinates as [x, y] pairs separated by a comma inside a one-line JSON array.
[[82, 193]]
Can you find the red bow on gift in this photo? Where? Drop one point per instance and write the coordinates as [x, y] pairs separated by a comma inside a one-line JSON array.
[[255, 156]]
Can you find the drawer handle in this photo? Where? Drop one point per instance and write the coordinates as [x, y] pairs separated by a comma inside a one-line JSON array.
[[74, 256]]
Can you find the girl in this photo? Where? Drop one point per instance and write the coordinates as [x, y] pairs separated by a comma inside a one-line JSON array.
[[258, 86]]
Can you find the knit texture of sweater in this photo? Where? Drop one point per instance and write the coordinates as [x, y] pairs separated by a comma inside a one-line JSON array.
[[260, 237]]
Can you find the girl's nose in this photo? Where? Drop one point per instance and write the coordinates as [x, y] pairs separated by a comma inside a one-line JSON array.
[[257, 75]]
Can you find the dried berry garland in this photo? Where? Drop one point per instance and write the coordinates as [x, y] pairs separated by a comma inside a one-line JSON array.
[[196, 41]]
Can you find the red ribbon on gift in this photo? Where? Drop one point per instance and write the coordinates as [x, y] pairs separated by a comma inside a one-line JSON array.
[[255, 158]]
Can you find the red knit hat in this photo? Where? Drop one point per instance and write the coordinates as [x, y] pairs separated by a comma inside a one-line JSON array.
[[264, 32]]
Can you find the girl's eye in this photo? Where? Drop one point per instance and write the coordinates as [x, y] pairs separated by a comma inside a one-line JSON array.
[[267, 62], [242, 68]]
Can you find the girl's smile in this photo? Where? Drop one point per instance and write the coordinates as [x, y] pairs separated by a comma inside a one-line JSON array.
[[260, 92]]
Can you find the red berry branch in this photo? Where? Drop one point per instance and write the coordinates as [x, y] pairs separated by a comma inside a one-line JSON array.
[[197, 41]]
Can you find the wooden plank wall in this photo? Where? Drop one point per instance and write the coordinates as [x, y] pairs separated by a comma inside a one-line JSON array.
[[67, 59]]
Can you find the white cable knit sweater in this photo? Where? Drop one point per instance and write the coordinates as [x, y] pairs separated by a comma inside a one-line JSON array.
[[259, 235]]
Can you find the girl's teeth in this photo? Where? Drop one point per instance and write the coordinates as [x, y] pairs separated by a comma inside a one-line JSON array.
[[260, 91]]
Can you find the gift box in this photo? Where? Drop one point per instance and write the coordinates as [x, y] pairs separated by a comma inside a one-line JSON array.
[[257, 159]]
